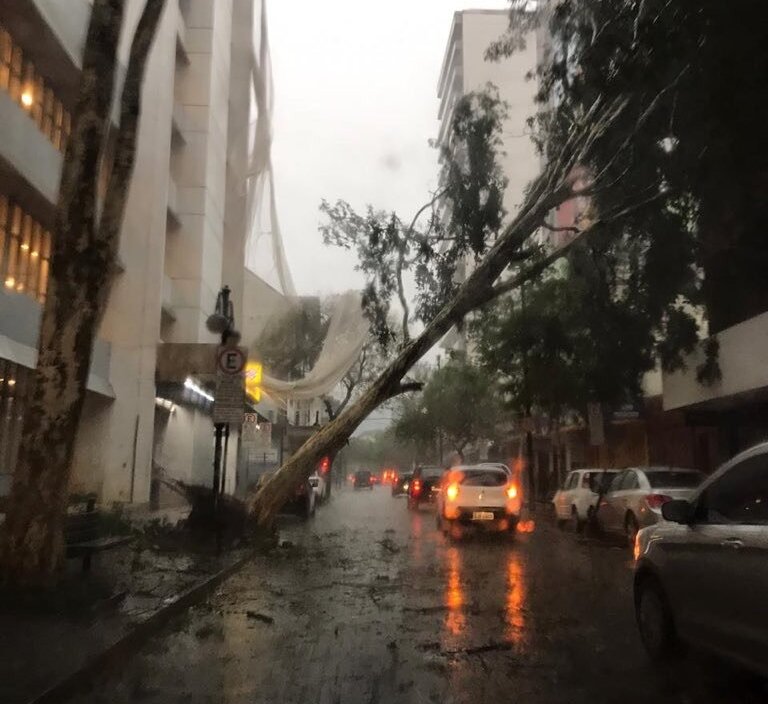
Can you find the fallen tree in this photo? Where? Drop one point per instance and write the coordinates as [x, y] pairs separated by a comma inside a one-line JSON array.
[[561, 180]]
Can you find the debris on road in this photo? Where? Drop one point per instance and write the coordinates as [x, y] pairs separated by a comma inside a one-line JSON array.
[[256, 616]]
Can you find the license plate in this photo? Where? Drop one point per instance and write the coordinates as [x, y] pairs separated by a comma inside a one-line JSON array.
[[482, 516]]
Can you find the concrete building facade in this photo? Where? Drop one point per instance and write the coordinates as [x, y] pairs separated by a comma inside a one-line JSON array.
[[183, 236], [464, 70]]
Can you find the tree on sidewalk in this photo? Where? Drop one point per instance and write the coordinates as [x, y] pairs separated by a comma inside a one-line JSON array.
[[85, 240]]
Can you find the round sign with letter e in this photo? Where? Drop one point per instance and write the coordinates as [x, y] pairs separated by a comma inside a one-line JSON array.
[[231, 360]]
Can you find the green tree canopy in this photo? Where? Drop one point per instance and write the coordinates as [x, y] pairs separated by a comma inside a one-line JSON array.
[[459, 401], [700, 157]]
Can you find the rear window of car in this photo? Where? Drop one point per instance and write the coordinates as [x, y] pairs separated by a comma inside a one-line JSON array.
[[431, 472], [363, 475], [484, 477], [670, 479]]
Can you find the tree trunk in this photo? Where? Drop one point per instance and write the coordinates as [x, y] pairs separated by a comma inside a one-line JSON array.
[[475, 291], [83, 256]]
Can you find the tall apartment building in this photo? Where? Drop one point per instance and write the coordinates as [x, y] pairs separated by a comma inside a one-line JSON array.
[[465, 70], [183, 236]]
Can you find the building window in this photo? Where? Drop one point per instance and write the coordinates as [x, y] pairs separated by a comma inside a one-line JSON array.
[[15, 386], [25, 251], [22, 82]]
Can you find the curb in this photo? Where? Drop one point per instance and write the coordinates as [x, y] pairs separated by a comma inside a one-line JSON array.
[[130, 641]]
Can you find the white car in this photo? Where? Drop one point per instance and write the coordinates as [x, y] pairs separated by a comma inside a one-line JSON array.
[[576, 501], [318, 484], [477, 497]]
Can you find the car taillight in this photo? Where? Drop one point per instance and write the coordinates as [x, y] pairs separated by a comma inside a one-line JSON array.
[[512, 491], [452, 492], [657, 500], [416, 487]]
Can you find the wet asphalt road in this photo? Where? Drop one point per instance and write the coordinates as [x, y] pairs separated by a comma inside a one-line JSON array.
[[371, 603]]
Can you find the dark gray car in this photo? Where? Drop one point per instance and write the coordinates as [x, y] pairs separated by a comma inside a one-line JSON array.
[[702, 573]]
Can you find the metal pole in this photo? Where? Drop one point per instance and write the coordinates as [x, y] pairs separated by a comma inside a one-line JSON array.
[[217, 434], [224, 462]]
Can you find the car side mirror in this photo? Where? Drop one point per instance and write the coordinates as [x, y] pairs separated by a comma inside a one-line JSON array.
[[678, 511]]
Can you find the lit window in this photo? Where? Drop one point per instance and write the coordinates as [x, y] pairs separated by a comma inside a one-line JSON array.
[[19, 78], [25, 250]]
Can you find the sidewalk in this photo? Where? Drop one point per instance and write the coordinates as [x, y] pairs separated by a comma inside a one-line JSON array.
[[130, 591]]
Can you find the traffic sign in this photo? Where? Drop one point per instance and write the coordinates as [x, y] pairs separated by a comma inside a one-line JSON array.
[[231, 360], [229, 401]]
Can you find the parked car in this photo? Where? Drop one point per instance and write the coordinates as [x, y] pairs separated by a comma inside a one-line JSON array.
[[576, 501], [363, 480], [478, 497], [424, 486], [635, 497], [303, 502], [701, 575], [319, 486], [400, 485], [497, 465]]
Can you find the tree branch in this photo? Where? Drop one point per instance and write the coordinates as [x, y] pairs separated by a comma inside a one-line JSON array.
[[558, 253], [125, 145], [564, 228], [401, 262], [329, 408], [405, 388]]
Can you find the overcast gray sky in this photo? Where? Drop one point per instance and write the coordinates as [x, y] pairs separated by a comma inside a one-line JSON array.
[[355, 106]]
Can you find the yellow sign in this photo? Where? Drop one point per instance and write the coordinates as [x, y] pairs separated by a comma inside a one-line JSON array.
[[254, 372]]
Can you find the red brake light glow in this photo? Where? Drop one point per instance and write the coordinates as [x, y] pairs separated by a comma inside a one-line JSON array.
[[452, 492], [512, 491], [416, 487], [657, 500]]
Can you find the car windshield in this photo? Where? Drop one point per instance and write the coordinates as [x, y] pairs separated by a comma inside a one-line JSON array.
[[483, 477], [671, 479]]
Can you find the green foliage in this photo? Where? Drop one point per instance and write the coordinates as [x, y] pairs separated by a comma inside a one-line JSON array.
[[460, 401], [430, 247], [290, 344], [560, 345], [695, 76]]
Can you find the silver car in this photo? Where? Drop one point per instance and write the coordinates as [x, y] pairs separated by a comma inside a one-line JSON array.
[[702, 574], [635, 497]]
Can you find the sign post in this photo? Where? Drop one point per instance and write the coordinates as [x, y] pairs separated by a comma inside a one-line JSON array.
[[228, 407]]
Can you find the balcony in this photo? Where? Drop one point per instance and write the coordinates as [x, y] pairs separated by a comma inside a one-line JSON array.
[[743, 367], [19, 330], [69, 22], [28, 151]]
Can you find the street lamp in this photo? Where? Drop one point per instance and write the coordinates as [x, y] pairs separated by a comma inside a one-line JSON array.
[[222, 320]]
